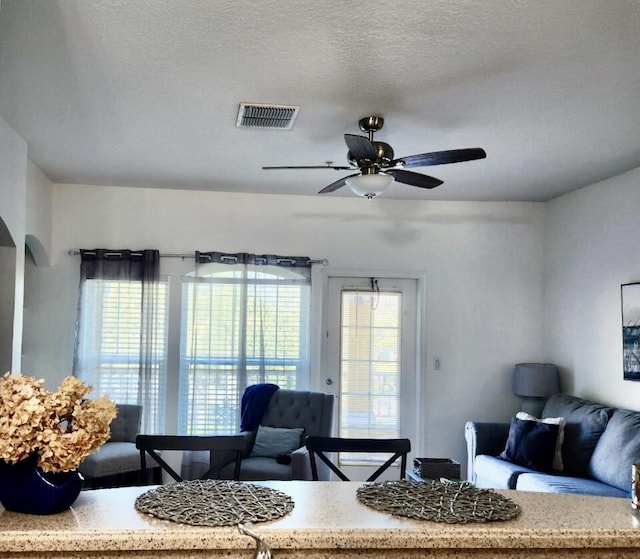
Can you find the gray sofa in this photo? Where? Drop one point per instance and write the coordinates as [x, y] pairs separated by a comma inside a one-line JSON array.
[[287, 409], [600, 445], [119, 454]]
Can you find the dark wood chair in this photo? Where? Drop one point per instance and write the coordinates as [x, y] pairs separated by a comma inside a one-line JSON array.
[[318, 446], [152, 444]]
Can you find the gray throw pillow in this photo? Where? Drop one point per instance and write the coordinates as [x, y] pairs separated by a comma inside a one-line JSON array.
[[617, 450], [585, 423], [275, 441]]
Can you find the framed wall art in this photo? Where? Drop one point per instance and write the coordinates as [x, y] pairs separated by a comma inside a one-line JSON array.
[[630, 293]]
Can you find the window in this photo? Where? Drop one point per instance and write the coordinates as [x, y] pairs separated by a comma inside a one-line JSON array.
[[370, 364], [241, 325], [243, 319], [114, 355]]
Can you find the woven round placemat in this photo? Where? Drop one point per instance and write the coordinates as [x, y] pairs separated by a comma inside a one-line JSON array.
[[444, 501], [214, 503]]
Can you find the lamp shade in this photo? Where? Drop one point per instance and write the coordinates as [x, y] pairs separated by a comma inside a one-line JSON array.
[[535, 380], [369, 186]]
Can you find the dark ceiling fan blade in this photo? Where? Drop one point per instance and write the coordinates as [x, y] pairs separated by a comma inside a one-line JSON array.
[[338, 184], [414, 179], [360, 147], [334, 167], [440, 157]]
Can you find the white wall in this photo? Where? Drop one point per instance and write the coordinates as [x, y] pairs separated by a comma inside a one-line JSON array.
[[482, 263], [592, 246], [39, 214], [13, 163], [505, 282], [38, 344], [7, 298]]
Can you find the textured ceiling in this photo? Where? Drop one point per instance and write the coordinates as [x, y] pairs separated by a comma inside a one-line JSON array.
[[146, 92]]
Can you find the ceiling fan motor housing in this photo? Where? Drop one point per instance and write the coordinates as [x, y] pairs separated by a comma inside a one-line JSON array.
[[384, 153], [383, 158], [371, 123]]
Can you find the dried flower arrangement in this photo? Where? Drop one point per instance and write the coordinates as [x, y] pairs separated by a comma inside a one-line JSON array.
[[62, 427]]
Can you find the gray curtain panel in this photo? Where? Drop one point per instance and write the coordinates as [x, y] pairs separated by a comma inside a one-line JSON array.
[[132, 266]]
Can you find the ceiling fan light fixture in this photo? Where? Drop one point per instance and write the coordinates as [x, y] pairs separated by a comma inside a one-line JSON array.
[[369, 186]]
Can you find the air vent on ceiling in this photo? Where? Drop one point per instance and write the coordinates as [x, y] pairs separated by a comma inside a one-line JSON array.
[[278, 117]]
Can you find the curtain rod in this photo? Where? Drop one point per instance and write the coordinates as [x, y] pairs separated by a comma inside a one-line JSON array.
[[76, 252]]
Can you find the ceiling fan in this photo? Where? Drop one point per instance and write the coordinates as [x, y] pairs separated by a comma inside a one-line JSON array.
[[376, 165]]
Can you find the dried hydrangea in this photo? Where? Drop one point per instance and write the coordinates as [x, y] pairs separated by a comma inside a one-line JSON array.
[[63, 427]]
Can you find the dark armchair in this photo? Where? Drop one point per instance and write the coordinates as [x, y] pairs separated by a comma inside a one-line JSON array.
[[119, 454], [309, 412]]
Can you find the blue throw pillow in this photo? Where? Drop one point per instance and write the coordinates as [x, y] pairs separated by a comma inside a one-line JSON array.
[[531, 444], [560, 422]]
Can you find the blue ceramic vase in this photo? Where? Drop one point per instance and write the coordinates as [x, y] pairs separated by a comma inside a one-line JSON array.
[[26, 488]]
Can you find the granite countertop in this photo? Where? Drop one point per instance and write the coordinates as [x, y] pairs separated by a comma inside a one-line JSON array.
[[326, 516]]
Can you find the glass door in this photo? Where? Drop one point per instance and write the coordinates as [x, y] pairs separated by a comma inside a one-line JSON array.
[[371, 357]]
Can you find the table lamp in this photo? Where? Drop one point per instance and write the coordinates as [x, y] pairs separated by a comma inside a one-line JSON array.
[[534, 382]]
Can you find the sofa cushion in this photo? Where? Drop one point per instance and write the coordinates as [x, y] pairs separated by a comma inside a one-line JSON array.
[[491, 471], [585, 423], [110, 459], [531, 444], [550, 483], [257, 469], [617, 450]]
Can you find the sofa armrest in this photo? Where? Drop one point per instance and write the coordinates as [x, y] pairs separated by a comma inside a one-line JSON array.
[[250, 437], [301, 466], [484, 438], [220, 459]]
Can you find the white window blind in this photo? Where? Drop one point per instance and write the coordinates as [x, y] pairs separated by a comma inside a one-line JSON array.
[[241, 325], [370, 365], [110, 346]]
